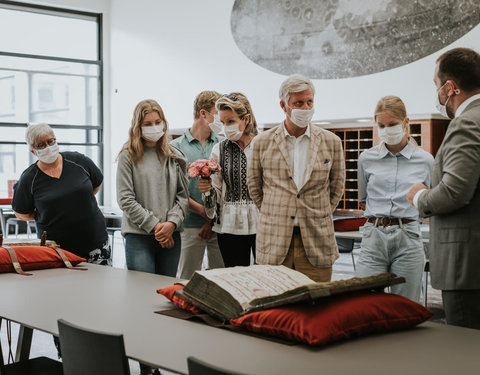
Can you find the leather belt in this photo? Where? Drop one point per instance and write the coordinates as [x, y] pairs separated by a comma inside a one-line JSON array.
[[388, 221], [16, 264]]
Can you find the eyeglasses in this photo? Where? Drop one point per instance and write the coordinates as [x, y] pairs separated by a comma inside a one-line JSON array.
[[49, 142]]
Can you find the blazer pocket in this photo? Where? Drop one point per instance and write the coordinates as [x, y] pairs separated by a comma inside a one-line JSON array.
[[453, 235]]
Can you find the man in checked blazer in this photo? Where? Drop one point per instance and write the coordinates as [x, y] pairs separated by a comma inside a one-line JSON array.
[[296, 176], [453, 202]]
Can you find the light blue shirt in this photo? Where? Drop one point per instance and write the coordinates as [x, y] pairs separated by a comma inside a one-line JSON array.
[[384, 179], [194, 150]]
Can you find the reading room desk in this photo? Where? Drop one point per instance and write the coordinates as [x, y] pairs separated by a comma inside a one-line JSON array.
[[122, 301]]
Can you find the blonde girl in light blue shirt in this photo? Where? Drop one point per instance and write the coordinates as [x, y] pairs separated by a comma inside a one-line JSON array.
[[391, 237]]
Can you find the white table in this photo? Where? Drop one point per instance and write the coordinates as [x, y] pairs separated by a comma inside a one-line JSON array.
[[117, 300]]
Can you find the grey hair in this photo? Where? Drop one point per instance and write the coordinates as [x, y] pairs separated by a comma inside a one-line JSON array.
[[294, 83], [36, 131]]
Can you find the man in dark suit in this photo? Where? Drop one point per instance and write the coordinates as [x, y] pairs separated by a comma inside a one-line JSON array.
[[453, 202]]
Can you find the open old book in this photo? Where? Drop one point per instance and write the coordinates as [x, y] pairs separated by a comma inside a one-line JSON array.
[[228, 293]]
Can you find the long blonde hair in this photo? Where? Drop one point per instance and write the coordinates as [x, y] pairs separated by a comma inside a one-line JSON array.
[[135, 144], [396, 107]]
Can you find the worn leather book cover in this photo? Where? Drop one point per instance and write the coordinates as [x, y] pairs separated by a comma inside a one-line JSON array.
[[228, 293]]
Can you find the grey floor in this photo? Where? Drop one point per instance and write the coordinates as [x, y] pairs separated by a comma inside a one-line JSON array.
[[42, 343]]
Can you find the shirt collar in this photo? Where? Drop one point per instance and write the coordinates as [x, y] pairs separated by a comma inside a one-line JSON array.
[[190, 138], [287, 134], [465, 103], [407, 151]]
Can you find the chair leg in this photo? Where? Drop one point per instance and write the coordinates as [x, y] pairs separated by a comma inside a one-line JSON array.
[[425, 289], [113, 242], [353, 261]]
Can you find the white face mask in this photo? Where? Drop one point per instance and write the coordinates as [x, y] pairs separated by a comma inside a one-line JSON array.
[[301, 117], [442, 108], [232, 132], [152, 133], [216, 126], [392, 135], [48, 154]]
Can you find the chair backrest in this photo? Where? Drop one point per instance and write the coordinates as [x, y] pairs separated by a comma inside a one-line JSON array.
[[90, 352], [198, 367]]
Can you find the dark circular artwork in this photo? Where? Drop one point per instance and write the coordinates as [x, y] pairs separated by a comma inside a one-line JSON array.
[[329, 39]]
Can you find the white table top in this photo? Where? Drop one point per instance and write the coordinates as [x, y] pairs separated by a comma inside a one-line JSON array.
[[121, 301]]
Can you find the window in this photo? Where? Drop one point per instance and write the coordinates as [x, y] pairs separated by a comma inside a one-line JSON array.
[[50, 71]]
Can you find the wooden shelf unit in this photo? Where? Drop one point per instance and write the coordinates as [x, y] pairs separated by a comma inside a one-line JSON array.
[[428, 133], [354, 141]]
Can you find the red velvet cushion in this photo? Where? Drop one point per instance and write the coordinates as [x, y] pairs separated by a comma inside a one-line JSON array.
[[5, 200], [169, 292], [348, 224], [35, 258], [336, 318]]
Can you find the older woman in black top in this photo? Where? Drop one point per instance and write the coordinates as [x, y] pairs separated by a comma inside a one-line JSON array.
[[58, 192]]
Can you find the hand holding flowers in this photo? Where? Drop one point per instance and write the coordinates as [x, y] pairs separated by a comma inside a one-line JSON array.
[[204, 169]]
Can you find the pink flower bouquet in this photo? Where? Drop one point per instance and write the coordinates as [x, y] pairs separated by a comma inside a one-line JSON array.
[[203, 168]]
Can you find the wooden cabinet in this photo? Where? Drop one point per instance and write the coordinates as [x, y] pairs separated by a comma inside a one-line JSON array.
[[428, 133], [354, 141]]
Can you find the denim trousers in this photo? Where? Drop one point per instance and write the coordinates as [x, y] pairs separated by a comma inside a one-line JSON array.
[[144, 253], [397, 249]]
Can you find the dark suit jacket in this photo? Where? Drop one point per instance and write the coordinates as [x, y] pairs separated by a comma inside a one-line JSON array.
[[454, 204]]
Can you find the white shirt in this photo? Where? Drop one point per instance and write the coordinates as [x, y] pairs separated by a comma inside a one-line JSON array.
[[299, 152], [458, 112], [235, 217]]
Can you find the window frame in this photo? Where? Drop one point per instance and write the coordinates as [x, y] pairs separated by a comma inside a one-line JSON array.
[[69, 13]]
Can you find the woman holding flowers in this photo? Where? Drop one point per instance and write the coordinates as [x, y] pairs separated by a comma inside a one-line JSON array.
[[225, 194]]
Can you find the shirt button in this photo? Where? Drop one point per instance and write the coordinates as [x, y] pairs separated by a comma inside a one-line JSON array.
[[298, 195]]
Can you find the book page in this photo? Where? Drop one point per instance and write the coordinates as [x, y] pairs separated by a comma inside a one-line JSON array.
[[248, 283]]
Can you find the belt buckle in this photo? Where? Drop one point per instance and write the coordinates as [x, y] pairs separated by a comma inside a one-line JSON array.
[[384, 221]]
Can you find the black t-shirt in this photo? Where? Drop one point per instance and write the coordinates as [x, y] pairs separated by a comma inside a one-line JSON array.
[[65, 207]]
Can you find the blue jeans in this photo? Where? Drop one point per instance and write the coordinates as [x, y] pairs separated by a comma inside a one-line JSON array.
[[144, 253], [397, 249]]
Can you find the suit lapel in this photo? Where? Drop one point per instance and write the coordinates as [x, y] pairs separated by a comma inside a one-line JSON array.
[[282, 145], [315, 138]]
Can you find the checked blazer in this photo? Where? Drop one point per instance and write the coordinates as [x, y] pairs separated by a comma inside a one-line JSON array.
[[272, 188]]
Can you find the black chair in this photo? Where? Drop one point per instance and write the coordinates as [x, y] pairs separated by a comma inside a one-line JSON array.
[[426, 271], [91, 352], [198, 367], [39, 365], [346, 245]]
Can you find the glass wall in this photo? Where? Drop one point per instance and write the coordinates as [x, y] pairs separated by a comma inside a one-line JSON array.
[[50, 71]]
